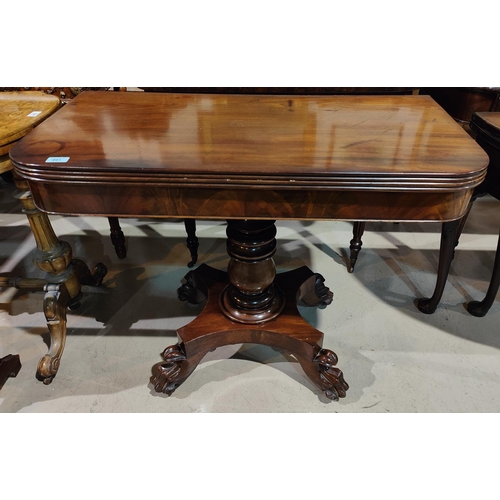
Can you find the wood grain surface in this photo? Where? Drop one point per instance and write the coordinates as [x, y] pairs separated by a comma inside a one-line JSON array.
[[15, 108], [155, 154]]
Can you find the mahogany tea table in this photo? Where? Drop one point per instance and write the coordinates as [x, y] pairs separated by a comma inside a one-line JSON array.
[[252, 160]]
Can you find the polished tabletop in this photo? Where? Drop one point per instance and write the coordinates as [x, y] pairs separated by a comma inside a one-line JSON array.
[[364, 138], [197, 142]]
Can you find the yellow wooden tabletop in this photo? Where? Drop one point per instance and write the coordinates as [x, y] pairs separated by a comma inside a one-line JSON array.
[[21, 111]]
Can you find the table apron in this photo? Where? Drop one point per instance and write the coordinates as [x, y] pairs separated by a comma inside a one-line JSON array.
[[214, 203]]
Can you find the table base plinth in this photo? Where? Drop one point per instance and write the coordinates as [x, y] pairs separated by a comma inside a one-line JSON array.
[[288, 332]]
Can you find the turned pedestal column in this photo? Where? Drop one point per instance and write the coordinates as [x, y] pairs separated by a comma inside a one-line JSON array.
[[251, 304]]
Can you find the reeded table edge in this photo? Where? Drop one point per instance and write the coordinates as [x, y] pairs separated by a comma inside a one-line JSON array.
[[347, 181]]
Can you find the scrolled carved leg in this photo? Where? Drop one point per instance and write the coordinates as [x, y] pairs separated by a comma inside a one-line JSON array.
[[64, 280], [55, 303], [176, 368]]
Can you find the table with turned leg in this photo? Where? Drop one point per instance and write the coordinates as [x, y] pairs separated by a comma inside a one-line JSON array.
[[252, 160]]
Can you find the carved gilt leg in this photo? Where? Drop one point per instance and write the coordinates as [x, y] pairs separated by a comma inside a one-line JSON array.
[[55, 302], [448, 239], [64, 280], [355, 244]]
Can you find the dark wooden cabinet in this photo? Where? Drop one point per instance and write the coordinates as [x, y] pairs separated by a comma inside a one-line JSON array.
[[462, 102]]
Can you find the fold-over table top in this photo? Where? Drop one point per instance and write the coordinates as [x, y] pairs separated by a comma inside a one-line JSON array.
[[285, 142]]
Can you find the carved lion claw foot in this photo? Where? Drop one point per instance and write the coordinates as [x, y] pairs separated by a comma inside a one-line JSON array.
[[331, 378], [167, 376], [188, 290], [315, 293], [87, 277]]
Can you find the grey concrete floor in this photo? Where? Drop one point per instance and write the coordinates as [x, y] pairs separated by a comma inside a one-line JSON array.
[[395, 359]]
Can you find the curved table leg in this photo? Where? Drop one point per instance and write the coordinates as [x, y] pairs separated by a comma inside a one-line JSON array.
[[55, 302], [64, 281], [448, 240], [480, 308]]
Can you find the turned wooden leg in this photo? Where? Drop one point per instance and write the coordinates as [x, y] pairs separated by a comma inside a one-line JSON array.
[[480, 308], [65, 276], [117, 237], [356, 244], [192, 240], [448, 239]]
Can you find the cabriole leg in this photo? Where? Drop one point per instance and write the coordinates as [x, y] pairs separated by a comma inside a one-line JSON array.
[[64, 280], [448, 240]]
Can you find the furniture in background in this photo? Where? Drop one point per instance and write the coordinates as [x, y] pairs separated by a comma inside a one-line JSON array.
[[19, 113], [462, 102], [9, 367], [250, 160], [486, 126], [311, 91], [65, 94]]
